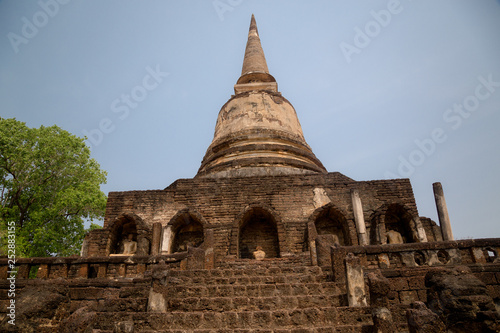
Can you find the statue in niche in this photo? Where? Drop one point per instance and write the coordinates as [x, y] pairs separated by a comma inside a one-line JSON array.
[[129, 246], [394, 237], [187, 245], [336, 240], [259, 254]]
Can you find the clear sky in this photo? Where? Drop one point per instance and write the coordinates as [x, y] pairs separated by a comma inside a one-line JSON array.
[[383, 89]]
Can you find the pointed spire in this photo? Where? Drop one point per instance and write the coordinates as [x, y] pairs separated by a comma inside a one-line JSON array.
[[254, 68], [254, 60]]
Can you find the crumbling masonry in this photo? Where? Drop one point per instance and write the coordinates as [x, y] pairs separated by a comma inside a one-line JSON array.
[[340, 255]]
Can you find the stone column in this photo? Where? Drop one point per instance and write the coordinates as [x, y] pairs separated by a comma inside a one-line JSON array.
[[209, 244], [167, 240], [358, 217], [84, 252], [102, 270], [444, 219], [83, 271], [156, 302], [311, 235], [155, 248], [23, 272], [355, 281]]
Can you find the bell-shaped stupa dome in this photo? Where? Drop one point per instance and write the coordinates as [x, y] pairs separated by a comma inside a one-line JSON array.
[[257, 131]]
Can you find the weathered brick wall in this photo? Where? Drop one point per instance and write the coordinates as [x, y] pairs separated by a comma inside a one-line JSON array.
[[70, 295], [97, 242], [407, 285], [221, 202], [432, 230], [406, 265], [490, 275]]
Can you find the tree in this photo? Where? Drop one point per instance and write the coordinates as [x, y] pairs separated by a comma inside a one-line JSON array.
[[48, 186]]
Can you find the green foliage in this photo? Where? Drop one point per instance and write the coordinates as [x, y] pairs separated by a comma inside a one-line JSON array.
[[93, 226], [33, 272], [48, 186]]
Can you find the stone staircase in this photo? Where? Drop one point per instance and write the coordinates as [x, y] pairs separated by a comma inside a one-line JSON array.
[[273, 295]]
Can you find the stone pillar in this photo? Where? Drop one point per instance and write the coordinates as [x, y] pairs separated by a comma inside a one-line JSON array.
[[155, 248], [356, 294], [23, 272], [167, 240], [102, 270], [209, 244], [84, 252], [83, 271], [358, 217], [444, 219], [311, 235], [156, 302]]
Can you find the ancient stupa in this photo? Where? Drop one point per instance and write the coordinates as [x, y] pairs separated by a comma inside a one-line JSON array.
[[265, 239]]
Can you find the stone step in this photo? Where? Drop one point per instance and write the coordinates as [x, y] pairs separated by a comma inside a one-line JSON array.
[[93, 293], [269, 320], [305, 329], [122, 305], [354, 316], [245, 280], [276, 262], [265, 263], [399, 317], [255, 290], [246, 271], [220, 304]]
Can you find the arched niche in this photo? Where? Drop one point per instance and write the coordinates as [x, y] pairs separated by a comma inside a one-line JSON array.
[[185, 229], [329, 220], [396, 219], [125, 225], [258, 227]]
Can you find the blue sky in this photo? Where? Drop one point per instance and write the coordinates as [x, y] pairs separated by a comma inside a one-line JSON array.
[[382, 88]]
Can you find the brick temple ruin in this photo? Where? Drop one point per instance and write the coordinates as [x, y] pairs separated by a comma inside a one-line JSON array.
[[340, 255]]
